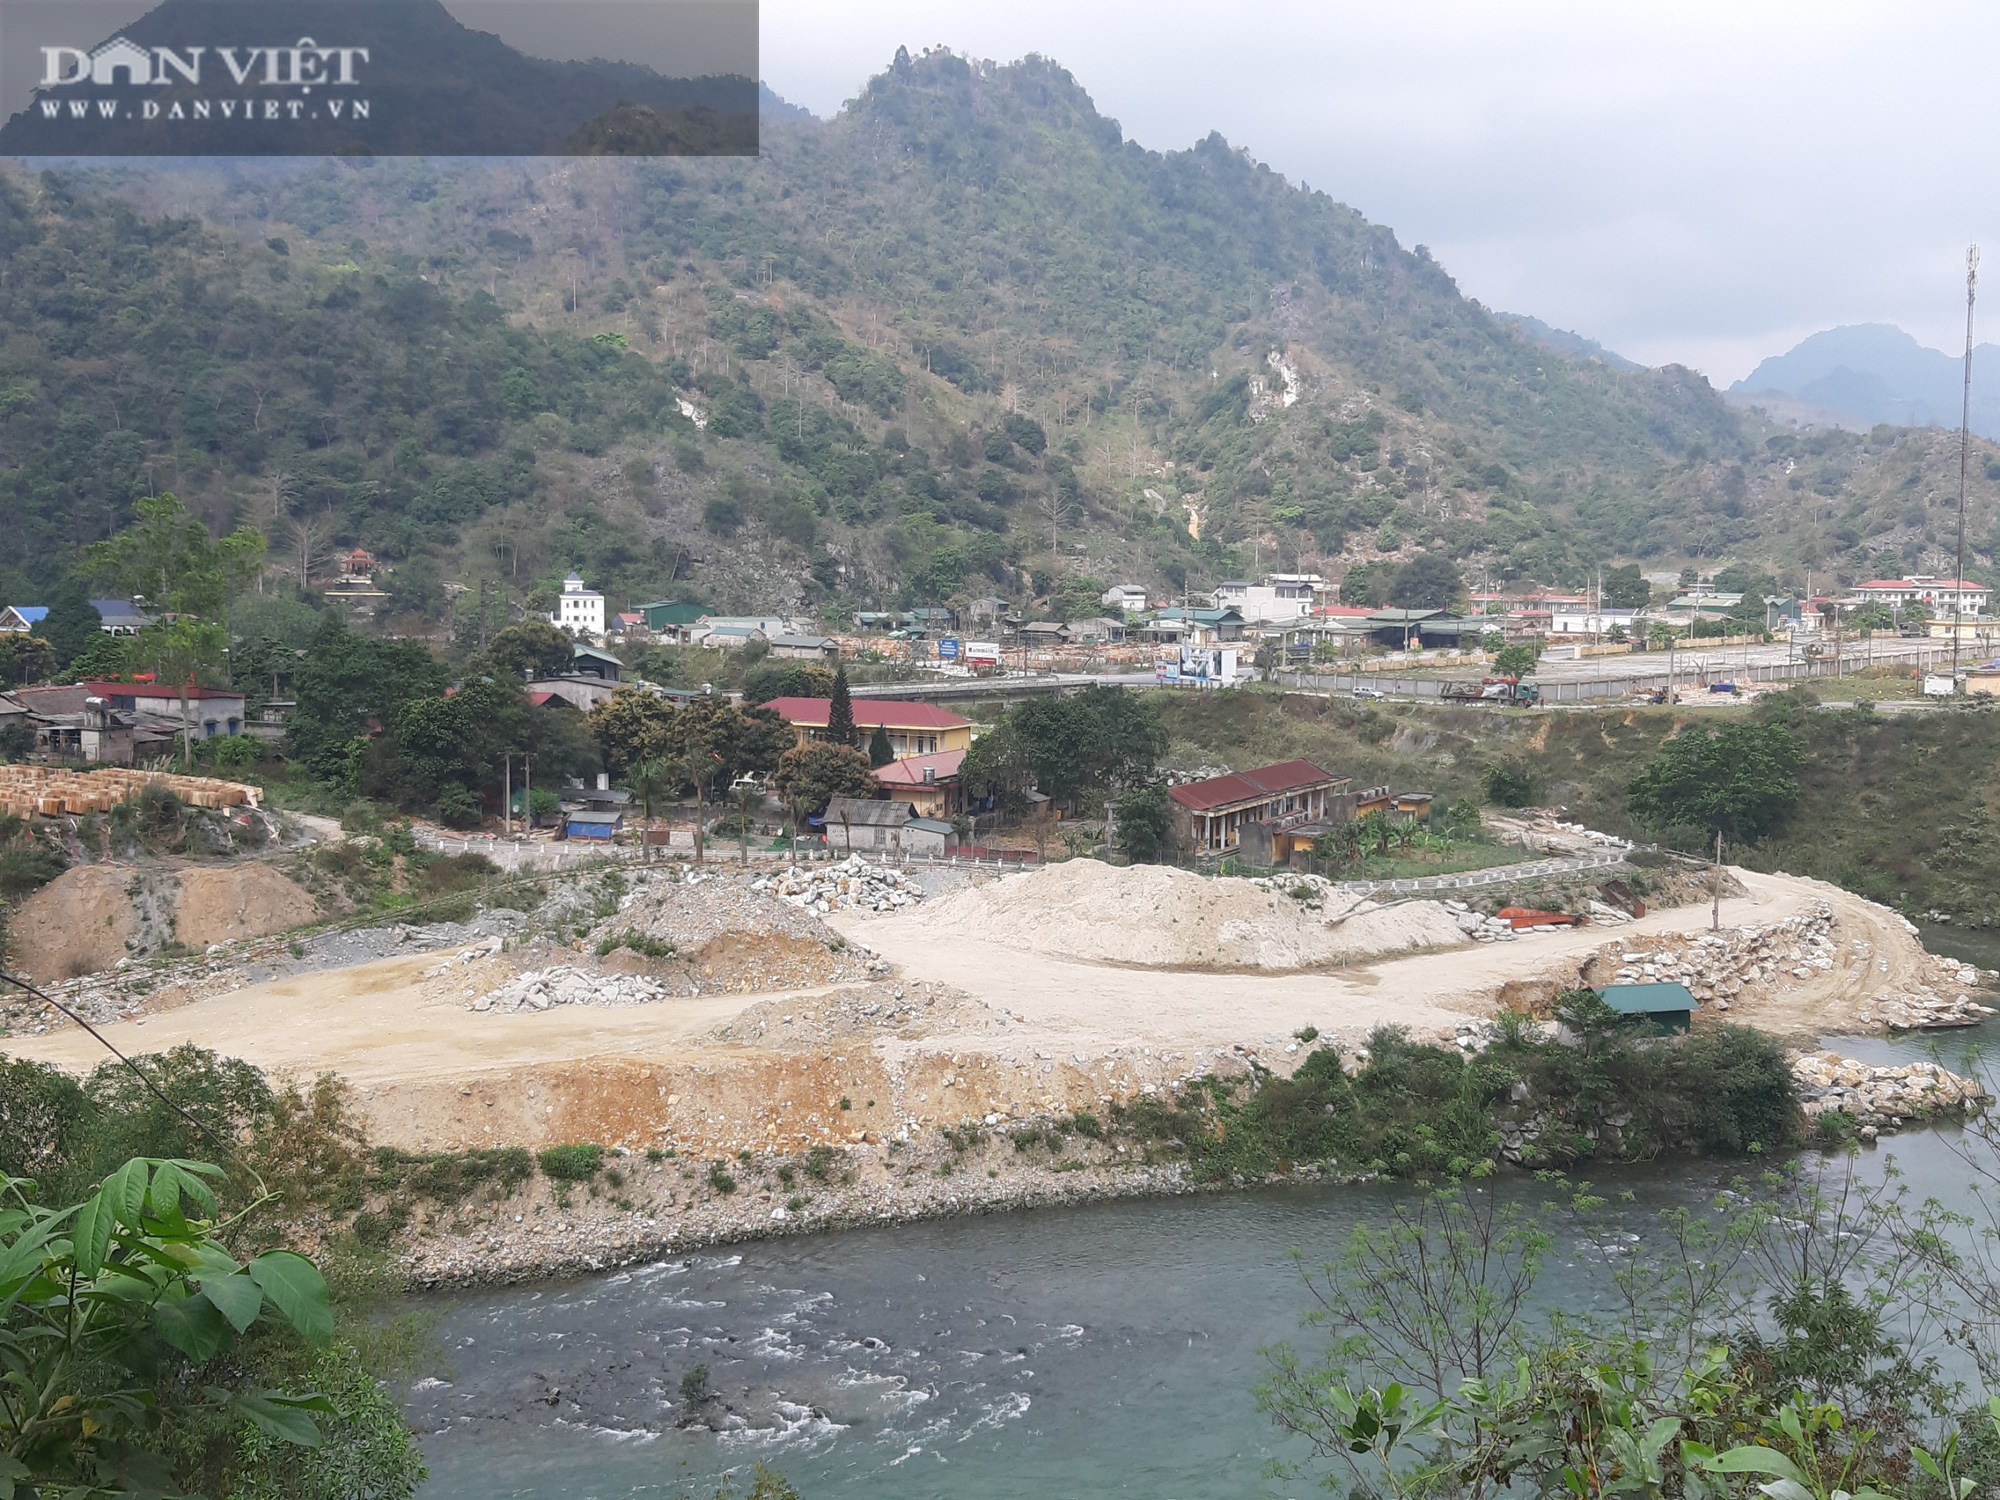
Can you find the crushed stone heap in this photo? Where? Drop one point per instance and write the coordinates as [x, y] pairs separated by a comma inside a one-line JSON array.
[[852, 884], [540, 989], [691, 911]]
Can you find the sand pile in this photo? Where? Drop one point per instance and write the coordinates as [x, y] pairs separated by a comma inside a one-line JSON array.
[[1155, 917]]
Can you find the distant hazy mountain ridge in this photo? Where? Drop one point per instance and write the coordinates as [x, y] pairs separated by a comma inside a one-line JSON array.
[[1875, 372]]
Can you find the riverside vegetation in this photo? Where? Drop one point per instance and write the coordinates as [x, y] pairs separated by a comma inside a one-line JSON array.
[[1788, 1338]]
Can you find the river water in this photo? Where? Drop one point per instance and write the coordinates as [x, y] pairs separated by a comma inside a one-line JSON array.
[[1095, 1351]]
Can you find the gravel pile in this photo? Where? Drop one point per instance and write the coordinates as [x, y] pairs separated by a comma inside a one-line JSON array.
[[853, 884], [540, 989], [1882, 1098], [693, 910]]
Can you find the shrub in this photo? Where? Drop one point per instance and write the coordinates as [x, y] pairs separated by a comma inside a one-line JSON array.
[[449, 874], [575, 1163], [450, 1177], [719, 1178], [1509, 785], [458, 807]]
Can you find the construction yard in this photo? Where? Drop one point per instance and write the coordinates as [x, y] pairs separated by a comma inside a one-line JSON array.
[[717, 1015]]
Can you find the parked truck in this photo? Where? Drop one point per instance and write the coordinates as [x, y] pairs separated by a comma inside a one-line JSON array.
[[1505, 690]]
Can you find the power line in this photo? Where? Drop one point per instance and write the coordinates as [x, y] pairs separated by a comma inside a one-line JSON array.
[[228, 1149]]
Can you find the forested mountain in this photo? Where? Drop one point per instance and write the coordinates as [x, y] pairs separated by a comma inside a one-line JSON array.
[[897, 357]]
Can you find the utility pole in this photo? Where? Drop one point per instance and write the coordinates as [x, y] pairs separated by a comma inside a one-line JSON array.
[[1715, 909], [507, 792], [1964, 453]]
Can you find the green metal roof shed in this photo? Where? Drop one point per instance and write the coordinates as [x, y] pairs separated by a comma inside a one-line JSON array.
[[670, 612], [1668, 1005]]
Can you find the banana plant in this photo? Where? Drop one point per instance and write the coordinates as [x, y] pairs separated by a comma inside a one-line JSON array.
[[105, 1304]]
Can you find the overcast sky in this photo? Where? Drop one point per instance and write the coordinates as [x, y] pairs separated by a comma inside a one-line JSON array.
[[1697, 182]]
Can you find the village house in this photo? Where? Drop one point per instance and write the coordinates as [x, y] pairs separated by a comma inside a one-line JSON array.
[[579, 691], [628, 627], [892, 827], [1286, 804], [1129, 597], [1281, 597], [212, 712], [927, 782], [120, 616], [80, 722], [580, 610], [1096, 630], [21, 619], [70, 723], [913, 728], [591, 662], [1176, 626], [804, 647]]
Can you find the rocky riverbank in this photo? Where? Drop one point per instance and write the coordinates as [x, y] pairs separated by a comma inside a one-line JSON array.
[[641, 1209], [1876, 1099]]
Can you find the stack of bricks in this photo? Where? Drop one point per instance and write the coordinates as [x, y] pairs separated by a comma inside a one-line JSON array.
[[29, 791]]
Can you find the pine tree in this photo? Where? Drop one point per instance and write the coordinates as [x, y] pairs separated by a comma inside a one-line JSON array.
[[840, 712], [879, 752]]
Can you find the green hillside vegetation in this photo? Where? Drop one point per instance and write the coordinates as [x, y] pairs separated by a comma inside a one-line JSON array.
[[1900, 809], [964, 338]]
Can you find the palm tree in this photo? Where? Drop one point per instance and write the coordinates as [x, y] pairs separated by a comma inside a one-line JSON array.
[[695, 763], [648, 778], [799, 807]]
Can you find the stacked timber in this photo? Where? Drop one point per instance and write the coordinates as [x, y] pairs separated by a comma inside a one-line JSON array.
[[49, 792]]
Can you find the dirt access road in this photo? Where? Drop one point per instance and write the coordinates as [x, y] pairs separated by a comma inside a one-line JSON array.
[[1071, 1003]]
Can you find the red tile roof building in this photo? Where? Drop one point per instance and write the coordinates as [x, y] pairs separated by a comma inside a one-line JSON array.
[[1209, 816], [927, 782], [1932, 593], [913, 728]]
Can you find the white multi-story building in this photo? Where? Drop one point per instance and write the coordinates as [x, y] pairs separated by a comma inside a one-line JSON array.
[[580, 610], [1130, 597], [1935, 594], [1280, 598]]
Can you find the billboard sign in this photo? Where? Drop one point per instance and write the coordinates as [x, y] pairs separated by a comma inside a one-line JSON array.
[[948, 648], [1195, 666]]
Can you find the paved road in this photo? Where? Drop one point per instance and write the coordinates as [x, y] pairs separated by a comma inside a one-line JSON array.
[[1720, 663], [1561, 681]]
